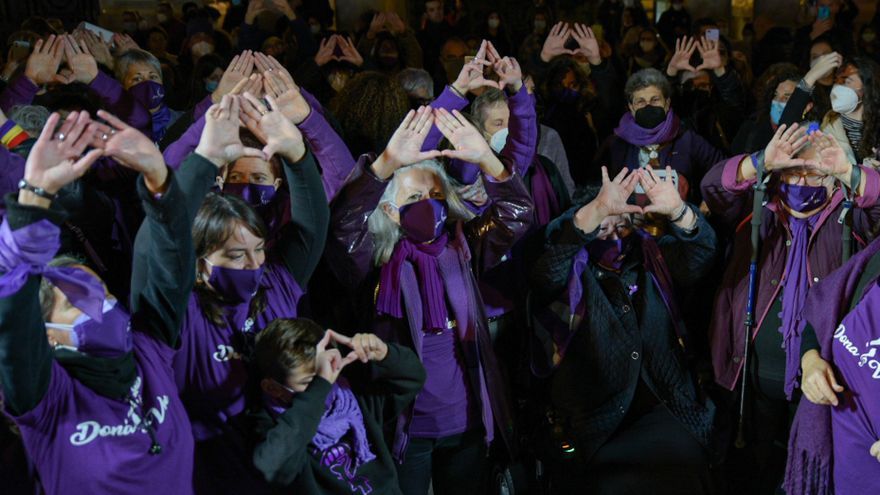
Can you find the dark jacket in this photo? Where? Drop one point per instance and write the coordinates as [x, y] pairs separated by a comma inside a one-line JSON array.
[[482, 243], [731, 203], [623, 339], [283, 454]]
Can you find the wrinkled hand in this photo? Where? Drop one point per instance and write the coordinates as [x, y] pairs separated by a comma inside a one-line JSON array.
[[554, 45], [830, 157], [56, 158], [281, 86], [271, 126], [663, 194], [80, 61], [681, 59], [131, 148], [818, 381], [405, 146], [588, 45], [825, 65], [779, 153], [470, 146], [509, 73], [241, 67], [365, 346], [42, 65], [220, 142], [711, 56], [329, 362], [612, 198]]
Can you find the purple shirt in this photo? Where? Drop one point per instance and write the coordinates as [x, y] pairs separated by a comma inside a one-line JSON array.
[[209, 368], [86, 443], [444, 407], [855, 423]]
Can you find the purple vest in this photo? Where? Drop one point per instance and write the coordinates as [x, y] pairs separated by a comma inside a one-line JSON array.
[[86, 443]]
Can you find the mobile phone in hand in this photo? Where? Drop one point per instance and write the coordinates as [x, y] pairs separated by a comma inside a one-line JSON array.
[[105, 34], [660, 174], [824, 13]]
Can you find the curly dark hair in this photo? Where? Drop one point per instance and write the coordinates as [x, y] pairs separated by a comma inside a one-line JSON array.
[[869, 73], [765, 86], [369, 109]]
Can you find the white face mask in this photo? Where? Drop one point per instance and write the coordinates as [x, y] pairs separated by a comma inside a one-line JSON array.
[[498, 140], [844, 99]]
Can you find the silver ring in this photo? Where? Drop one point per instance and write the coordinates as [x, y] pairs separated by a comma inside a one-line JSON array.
[[104, 136], [263, 112], [270, 69], [61, 137]]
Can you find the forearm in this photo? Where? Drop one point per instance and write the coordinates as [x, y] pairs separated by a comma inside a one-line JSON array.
[[179, 150], [511, 214], [449, 100], [522, 140], [329, 150], [301, 243]]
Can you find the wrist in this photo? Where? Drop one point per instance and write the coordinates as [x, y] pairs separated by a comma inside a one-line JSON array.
[[207, 155], [671, 72], [588, 218], [546, 57], [676, 214], [720, 71], [597, 60], [384, 166], [458, 90], [294, 153], [28, 198]]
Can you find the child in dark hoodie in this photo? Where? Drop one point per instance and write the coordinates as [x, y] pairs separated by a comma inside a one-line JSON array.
[[320, 432]]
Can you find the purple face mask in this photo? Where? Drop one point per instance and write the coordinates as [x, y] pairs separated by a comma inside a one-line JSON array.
[[803, 198], [609, 253], [423, 221], [111, 338], [150, 94], [253, 194], [235, 285]]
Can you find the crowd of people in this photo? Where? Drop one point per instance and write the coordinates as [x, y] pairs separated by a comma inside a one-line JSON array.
[[243, 252]]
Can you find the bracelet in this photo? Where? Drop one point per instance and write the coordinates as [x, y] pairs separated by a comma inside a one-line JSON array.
[[684, 210], [457, 92], [39, 191]]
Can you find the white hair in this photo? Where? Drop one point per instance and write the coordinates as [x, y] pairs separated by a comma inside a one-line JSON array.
[[386, 233]]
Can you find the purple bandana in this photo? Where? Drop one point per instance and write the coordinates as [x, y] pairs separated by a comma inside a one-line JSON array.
[[341, 416], [28, 250], [424, 260], [636, 135]]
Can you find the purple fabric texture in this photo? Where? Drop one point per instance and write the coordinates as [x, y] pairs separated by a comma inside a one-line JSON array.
[[794, 294], [423, 221], [342, 415], [25, 252], [543, 196], [252, 194], [110, 338], [424, 258], [803, 198], [634, 134]]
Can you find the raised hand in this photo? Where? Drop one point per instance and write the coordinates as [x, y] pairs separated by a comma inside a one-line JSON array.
[[131, 148], [554, 45], [471, 76], [405, 146], [711, 56], [830, 157], [253, 85], [663, 194], [241, 67], [509, 73], [780, 151], [329, 362], [42, 65], [588, 45], [80, 61], [377, 25], [220, 142], [123, 43], [611, 200], [96, 46], [325, 51], [818, 381], [470, 146], [55, 159], [365, 346], [681, 59], [280, 85], [488, 52], [825, 65], [395, 23], [278, 132], [350, 53]]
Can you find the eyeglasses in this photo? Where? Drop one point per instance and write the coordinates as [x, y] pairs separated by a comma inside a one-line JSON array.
[[809, 177], [657, 101]]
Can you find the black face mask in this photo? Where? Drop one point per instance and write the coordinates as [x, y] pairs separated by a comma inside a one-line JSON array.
[[649, 116]]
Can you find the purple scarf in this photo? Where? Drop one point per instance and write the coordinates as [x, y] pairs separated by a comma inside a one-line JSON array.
[[636, 135], [341, 415], [794, 295], [424, 259], [543, 195], [28, 250]]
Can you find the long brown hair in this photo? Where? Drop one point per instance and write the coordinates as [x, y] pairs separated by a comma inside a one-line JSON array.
[[215, 223]]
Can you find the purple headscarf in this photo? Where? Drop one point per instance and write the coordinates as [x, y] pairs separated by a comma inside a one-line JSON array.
[[636, 135], [27, 251]]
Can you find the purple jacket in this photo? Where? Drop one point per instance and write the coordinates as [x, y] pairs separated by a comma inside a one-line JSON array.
[[522, 140], [114, 99], [488, 237], [330, 150], [731, 202]]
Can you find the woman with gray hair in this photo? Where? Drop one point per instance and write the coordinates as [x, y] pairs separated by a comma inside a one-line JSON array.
[[140, 73], [650, 134], [400, 211]]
